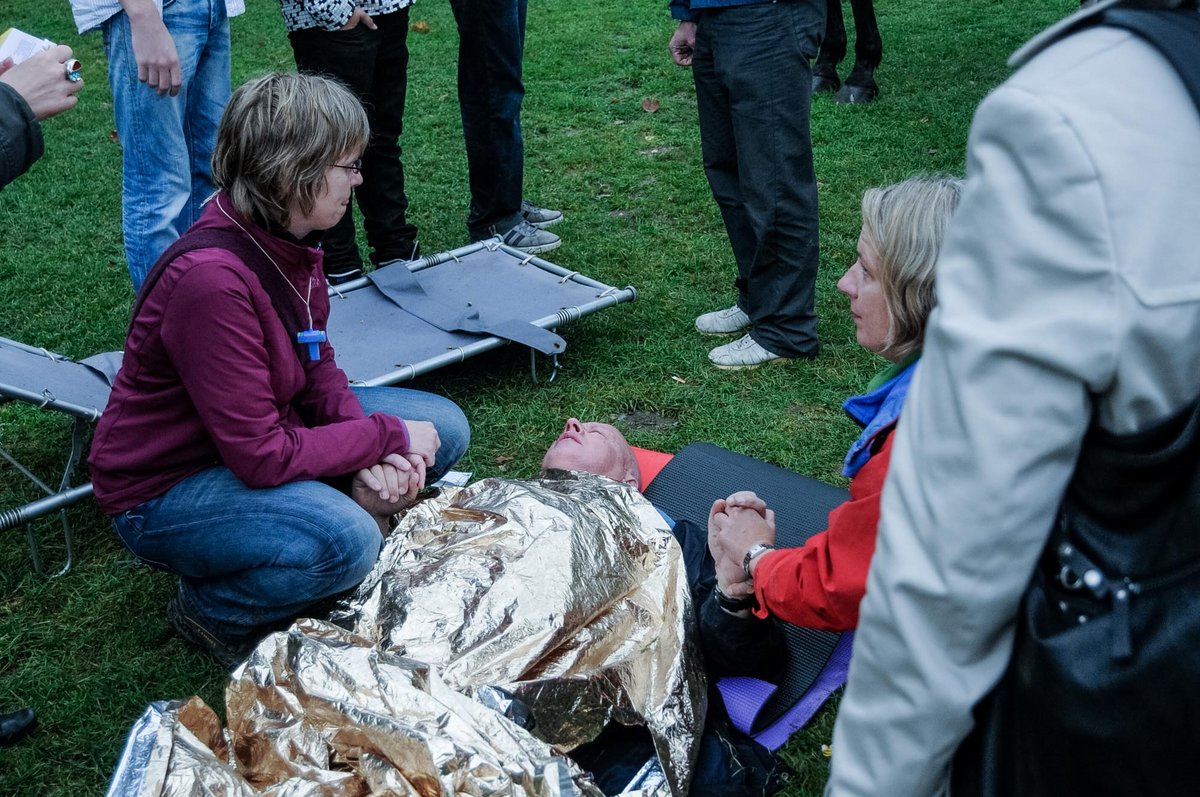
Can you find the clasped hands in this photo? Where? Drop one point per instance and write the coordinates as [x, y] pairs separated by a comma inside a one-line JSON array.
[[393, 483], [734, 525]]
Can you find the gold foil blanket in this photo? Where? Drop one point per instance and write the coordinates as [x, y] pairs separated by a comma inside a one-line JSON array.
[[560, 602]]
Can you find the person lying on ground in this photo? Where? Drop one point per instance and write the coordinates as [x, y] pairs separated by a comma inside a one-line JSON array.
[[820, 584], [232, 452]]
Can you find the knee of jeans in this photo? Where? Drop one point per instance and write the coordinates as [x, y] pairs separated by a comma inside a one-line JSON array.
[[455, 434], [351, 552]]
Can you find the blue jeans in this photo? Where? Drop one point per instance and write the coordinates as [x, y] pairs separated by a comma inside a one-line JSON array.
[[251, 560], [167, 142], [491, 44]]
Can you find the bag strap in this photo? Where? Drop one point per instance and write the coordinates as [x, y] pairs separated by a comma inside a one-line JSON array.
[[1175, 33]]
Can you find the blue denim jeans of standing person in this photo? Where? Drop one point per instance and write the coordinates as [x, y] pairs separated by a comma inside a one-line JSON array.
[[250, 560], [167, 142], [374, 64], [491, 44]]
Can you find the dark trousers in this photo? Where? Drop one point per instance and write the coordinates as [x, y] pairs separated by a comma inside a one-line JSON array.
[[732, 645], [491, 43], [868, 44], [753, 73], [374, 64]]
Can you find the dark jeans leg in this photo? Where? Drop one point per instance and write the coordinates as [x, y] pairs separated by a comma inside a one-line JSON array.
[[491, 45], [374, 64], [833, 45], [752, 68]]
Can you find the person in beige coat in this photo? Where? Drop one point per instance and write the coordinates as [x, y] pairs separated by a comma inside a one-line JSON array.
[[1069, 283]]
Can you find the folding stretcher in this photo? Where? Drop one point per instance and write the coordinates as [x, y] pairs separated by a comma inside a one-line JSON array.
[[395, 324], [53, 382], [401, 321]]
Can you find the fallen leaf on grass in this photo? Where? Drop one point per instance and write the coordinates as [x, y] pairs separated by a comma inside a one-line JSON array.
[[503, 458], [650, 105], [420, 26]]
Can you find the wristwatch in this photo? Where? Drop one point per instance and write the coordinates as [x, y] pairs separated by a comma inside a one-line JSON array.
[[755, 549], [734, 605]]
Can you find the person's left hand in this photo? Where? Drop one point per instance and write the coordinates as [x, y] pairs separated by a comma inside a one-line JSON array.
[[384, 489], [734, 525]]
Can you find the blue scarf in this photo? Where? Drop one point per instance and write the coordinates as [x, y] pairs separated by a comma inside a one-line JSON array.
[[877, 409]]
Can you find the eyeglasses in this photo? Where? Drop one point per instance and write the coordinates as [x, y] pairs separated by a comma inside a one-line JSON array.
[[354, 168]]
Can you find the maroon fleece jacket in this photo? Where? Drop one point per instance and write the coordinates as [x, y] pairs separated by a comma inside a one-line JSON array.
[[210, 377]]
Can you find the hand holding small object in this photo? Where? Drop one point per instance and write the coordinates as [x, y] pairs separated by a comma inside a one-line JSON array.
[[41, 81]]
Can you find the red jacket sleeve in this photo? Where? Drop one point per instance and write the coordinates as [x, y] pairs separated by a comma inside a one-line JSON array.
[[820, 584]]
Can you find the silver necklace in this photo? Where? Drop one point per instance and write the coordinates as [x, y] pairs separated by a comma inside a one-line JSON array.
[[310, 337], [306, 301]]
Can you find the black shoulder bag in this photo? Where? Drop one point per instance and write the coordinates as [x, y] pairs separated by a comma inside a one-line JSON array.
[[1102, 694]]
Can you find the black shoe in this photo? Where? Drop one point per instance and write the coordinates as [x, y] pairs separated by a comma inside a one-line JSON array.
[[402, 253], [825, 78], [229, 654], [338, 276], [16, 726], [860, 86]]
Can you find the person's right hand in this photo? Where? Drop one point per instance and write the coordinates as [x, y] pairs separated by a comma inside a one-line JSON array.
[[359, 17], [153, 49], [423, 440], [683, 43], [42, 81]]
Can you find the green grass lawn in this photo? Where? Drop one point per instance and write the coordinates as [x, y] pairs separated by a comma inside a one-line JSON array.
[[89, 650]]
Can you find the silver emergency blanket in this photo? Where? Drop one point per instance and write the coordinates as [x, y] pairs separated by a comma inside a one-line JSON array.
[[505, 623]]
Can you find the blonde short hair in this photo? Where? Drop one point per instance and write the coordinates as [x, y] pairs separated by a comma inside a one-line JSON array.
[[277, 139], [907, 223]]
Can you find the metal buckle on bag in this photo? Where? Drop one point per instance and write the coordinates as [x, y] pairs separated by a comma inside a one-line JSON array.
[[1077, 573]]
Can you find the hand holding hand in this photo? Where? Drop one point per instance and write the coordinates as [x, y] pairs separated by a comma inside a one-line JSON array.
[[383, 490], [732, 530], [683, 43], [747, 499], [42, 81], [423, 440]]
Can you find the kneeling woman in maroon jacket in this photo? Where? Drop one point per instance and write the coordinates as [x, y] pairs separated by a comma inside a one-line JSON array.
[[820, 584], [233, 452]]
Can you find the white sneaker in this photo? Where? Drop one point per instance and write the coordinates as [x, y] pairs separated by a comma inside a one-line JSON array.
[[723, 322], [742, 353]]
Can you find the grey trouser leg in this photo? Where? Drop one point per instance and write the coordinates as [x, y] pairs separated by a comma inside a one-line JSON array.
[[752, 68]]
